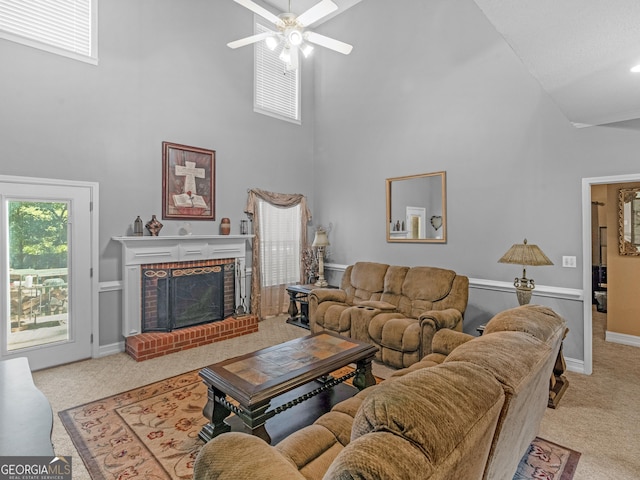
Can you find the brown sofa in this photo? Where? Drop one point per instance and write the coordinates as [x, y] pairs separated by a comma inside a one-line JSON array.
[[468, 413], [396, 308]]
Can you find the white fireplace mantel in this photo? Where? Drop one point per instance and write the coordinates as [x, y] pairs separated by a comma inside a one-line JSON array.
[[137, 251]]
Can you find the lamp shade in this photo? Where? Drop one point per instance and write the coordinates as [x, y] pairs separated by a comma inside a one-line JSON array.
[[525, 254], [321, 239]]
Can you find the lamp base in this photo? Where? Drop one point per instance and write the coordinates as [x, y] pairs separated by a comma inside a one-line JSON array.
[[524, 295], [321, 282], [524, 286]]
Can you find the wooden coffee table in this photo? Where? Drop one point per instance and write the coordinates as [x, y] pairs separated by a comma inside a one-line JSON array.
[[255, 379]]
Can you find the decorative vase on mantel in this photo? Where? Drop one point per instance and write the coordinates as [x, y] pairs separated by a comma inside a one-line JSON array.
[[225, 226], [154, 226]]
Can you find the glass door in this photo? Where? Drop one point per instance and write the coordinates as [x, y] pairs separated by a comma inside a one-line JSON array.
[[46, 273], [38, 273]]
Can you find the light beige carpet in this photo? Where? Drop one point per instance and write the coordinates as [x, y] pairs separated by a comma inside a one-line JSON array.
[[598, 415]]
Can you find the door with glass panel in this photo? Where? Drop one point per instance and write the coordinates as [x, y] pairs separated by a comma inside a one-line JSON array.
[[46, 273]]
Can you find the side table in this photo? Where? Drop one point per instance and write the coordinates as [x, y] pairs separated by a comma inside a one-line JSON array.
[[300, 294]]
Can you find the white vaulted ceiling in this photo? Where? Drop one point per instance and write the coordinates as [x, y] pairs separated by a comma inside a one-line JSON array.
[[299, 6], [580, 51]]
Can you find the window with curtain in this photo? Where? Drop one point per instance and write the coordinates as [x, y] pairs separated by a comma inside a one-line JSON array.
[[64, 27], [279, 238], [279, 244], [279, 254]]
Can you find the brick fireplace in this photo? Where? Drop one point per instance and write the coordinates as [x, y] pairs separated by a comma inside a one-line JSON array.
[[183, 294], [183, 258]]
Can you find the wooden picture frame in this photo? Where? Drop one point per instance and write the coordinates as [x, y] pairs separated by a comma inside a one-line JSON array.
[[188, 182]]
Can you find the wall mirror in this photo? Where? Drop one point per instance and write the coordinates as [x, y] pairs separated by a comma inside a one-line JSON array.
[[416, 208], [629, 221]]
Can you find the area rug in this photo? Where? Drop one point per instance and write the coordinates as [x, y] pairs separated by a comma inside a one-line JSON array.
[[151, 432]]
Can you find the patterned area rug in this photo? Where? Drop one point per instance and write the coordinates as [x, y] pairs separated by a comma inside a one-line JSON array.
[[151, 433]]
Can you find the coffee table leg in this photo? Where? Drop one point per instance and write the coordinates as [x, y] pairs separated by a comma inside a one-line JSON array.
[[215, 413], [254, 420], [364, 377]]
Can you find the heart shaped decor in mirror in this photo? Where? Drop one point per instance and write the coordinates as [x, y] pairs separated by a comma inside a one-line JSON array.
[[436, 221]]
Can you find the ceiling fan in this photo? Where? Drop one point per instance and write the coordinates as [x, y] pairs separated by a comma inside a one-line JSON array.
[[291, 35]]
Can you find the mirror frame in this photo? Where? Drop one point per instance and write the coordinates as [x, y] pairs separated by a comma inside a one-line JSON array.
[[625, 197], [389, 182]]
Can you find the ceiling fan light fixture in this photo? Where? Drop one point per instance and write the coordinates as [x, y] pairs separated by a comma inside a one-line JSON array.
[[285, 55], [271, 43], [294, 36], [306, 49]]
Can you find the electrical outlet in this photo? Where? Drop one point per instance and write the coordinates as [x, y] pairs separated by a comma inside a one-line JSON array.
[[569, 262]]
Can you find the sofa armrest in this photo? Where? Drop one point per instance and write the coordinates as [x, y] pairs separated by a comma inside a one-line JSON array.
[[449, 318], [446, 340], [226, 458], [328, 295], [433, 321]]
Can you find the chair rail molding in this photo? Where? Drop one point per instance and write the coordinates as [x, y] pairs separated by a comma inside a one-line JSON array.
[[500, 286]]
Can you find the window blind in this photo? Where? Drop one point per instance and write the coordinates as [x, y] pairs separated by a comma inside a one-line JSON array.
[[277, 90], [66, 27]]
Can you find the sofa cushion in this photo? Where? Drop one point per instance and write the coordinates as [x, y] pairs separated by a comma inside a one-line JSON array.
[[432, 408], [380, 456], [422, 287], [395, 331], [495, 353], [393, 281], [541, 322], [366, 282], [336, 318]]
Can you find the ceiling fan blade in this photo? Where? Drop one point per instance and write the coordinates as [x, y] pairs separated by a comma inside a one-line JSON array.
[[263, 12], [327, 42], [315, 13], [249, 40]]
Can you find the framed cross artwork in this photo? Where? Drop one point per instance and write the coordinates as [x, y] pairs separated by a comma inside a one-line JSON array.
[[188, 182]]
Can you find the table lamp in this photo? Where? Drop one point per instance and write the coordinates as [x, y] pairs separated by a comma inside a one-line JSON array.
[[320, 242], [525, 254]]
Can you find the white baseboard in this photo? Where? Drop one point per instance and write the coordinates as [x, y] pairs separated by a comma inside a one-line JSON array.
[[622, 339], [574, 365], [106, 350]]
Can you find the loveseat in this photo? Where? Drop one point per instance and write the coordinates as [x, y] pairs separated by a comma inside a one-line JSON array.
[[470, 414], [398, 309]]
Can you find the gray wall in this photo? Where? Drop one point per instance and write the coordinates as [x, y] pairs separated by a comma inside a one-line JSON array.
[[447, 93], [429, 86], [165, 74]]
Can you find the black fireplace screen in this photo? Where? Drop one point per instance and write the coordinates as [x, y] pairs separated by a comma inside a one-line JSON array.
[[183, 297]]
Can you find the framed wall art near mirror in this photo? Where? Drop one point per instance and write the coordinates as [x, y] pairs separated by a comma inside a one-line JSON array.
[[629, 221], [416, 208]]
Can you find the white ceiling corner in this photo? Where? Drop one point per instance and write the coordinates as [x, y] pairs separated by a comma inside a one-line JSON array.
[[580, 51]]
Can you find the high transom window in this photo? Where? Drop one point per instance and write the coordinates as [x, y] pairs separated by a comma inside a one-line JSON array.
[[64, 27], [277, 90]]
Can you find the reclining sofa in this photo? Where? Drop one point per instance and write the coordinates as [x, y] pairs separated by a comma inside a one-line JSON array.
[[398, 309], [470, 412]]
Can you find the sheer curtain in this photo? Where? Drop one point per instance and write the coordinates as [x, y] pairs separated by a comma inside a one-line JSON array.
[[280, 234]]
